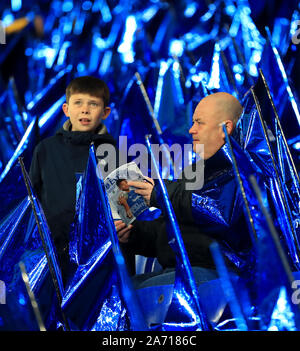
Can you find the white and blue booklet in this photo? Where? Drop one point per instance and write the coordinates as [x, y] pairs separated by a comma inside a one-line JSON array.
[[125, 203]]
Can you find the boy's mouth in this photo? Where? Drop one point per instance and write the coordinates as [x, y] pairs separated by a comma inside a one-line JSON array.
[[84, 121]]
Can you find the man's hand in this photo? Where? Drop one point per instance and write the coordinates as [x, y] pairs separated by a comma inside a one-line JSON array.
[[143, 188], [123, 231], [129, 213]]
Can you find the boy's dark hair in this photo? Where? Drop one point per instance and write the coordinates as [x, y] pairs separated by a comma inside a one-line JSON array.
[[88, 85]]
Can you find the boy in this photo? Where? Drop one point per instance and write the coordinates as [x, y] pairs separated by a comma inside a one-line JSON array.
[[57, 159]]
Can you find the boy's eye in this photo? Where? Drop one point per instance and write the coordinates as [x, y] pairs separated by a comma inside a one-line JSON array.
[[92, 103]]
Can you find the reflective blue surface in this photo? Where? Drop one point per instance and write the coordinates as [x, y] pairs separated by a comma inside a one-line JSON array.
[[21, 241], [183, 50], [271, 267], [185, 311], [99, 279]]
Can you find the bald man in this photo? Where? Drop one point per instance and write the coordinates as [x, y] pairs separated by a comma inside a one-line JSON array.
[[212, 213], [209, 115]]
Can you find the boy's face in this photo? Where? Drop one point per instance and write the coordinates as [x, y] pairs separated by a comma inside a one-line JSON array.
[[85, 112]]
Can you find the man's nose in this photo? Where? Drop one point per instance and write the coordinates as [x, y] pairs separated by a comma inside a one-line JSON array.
[[191, 131]]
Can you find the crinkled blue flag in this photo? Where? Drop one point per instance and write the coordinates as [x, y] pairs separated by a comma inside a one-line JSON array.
[[11, 180], [283, 94], [185, 311], [99, 295], [22, 240], [283, 158], [261, 149], [171, 108], [271, 270]]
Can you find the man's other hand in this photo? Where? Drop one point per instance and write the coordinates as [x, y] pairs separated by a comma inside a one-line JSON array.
[[143, 188], [123, 231]]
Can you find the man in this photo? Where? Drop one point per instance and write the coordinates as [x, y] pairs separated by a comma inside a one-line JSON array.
[[212, 213]]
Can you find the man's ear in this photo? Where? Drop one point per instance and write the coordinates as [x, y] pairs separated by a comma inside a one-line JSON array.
[[106, 113], [229, 126], [65, 108]]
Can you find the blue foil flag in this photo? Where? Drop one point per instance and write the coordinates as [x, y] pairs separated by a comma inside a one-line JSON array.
[[51, 93], [272, 269], [286, 166], [170, 107], [45, 235], [218, 79], [278, 297], [260, 147], [283, 94], [244, 29], [281, 205], [20, 240], [140, 121], [136, 119], [113, 314], [13, 186], [100, 280], [185, 311], [13, 189], [228, 286], [16, 312]]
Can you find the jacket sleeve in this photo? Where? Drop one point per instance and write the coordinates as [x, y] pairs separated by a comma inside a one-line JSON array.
[[215, 207], [179, 197], [143, 237]]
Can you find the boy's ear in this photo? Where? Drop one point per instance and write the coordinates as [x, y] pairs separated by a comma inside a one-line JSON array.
[[106, 113], [65, 108]]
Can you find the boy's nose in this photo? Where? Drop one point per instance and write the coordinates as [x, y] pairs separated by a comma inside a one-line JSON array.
[[85, 109]]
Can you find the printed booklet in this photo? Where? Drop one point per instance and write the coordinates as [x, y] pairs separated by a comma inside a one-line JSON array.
[[125, 203]]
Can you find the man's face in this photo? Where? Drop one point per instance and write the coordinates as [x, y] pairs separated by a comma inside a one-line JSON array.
[[85, 112], [124, 185], [206, 129]]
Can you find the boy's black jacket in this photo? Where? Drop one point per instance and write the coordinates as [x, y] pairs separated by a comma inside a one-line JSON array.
[[56, 160]]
